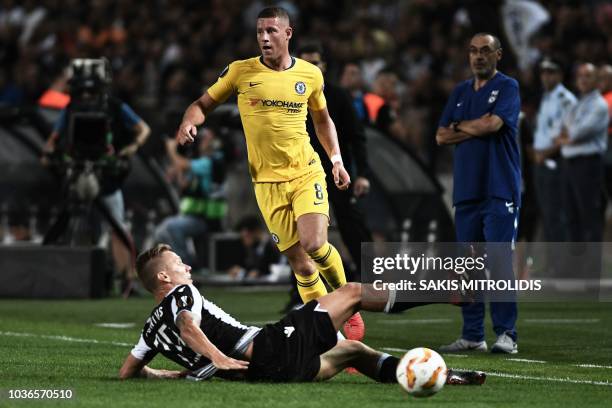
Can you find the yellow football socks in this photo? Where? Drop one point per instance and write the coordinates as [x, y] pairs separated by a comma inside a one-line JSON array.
[[329, 263], [310, 287]]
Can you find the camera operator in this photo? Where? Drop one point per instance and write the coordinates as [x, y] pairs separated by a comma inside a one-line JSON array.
[[97, 127]]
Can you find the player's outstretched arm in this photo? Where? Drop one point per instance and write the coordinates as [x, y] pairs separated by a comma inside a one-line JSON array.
[[132, 367], [196, 339], [136, 368], [327, 135], [194, 116]]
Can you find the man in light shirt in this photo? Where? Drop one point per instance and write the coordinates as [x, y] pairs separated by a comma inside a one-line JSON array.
[[556, 101], [583, 141], [605, 87]]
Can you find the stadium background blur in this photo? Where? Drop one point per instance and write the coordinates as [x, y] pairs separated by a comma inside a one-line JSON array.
[[164, 53]]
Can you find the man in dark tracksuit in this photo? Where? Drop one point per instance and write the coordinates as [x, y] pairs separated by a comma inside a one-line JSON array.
[[481, 119], [351, 222]]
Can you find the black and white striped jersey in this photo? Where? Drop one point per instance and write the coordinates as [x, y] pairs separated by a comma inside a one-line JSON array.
[[161, 335]]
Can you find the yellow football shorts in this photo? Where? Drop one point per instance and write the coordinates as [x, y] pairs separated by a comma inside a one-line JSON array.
[[282, 203]]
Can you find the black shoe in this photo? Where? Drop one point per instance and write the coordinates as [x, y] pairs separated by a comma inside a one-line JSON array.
[[294, 300], [456, 377], [291, 305]]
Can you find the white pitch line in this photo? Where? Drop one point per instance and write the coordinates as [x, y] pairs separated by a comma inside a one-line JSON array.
[[401, 350], [416, 321], [524, 360], [397, 350], [492, 374], [115, 325], [562, 321], [553, 379], [65, 338], [591, 366]]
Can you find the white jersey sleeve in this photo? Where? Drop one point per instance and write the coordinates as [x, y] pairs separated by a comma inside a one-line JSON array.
[[142, 351]]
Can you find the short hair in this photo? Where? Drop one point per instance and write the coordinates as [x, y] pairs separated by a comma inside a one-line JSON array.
[[249, 223], [496, 42], [387, 70], [310, 48], [148, 263], [271, 12], [350, 62]]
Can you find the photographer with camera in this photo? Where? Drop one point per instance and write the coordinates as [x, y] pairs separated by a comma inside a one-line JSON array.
[[92, 143]]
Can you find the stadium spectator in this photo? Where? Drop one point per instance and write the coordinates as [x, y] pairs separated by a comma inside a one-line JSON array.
[[147, 41], [352, 81], [529, 217], [202, 206], [392, 33], [57, 96], [605, 87], [351, 138], [546, 155], [49, 31], [258, 252], [481, 119], [10, 93], [583, 141], [383, 103], [350, 220]]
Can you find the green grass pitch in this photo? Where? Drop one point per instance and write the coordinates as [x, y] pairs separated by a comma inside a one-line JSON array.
[[564, 360]]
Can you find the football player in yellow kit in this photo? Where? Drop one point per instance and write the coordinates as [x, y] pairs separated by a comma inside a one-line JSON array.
[[274, 92]]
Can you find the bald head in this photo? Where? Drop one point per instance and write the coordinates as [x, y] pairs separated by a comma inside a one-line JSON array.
[[586, 78], [489, 38], [605, 78]]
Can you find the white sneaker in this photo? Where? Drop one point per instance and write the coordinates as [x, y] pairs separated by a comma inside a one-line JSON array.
[[460, 345], [504, 344]]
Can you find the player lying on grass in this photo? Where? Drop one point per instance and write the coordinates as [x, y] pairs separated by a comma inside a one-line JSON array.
[[198, 335]]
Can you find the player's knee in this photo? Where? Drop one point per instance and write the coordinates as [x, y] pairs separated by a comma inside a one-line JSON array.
[[352, 348], [303, 268], [313, 244], [352, 290]]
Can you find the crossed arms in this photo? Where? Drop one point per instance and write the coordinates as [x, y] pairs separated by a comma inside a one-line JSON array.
[[458, 132], [190, 332]]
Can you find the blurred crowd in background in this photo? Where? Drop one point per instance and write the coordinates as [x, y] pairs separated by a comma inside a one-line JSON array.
[[165, 52], [407, 54]]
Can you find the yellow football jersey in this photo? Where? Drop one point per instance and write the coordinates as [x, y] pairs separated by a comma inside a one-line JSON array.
[[273, 106]]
